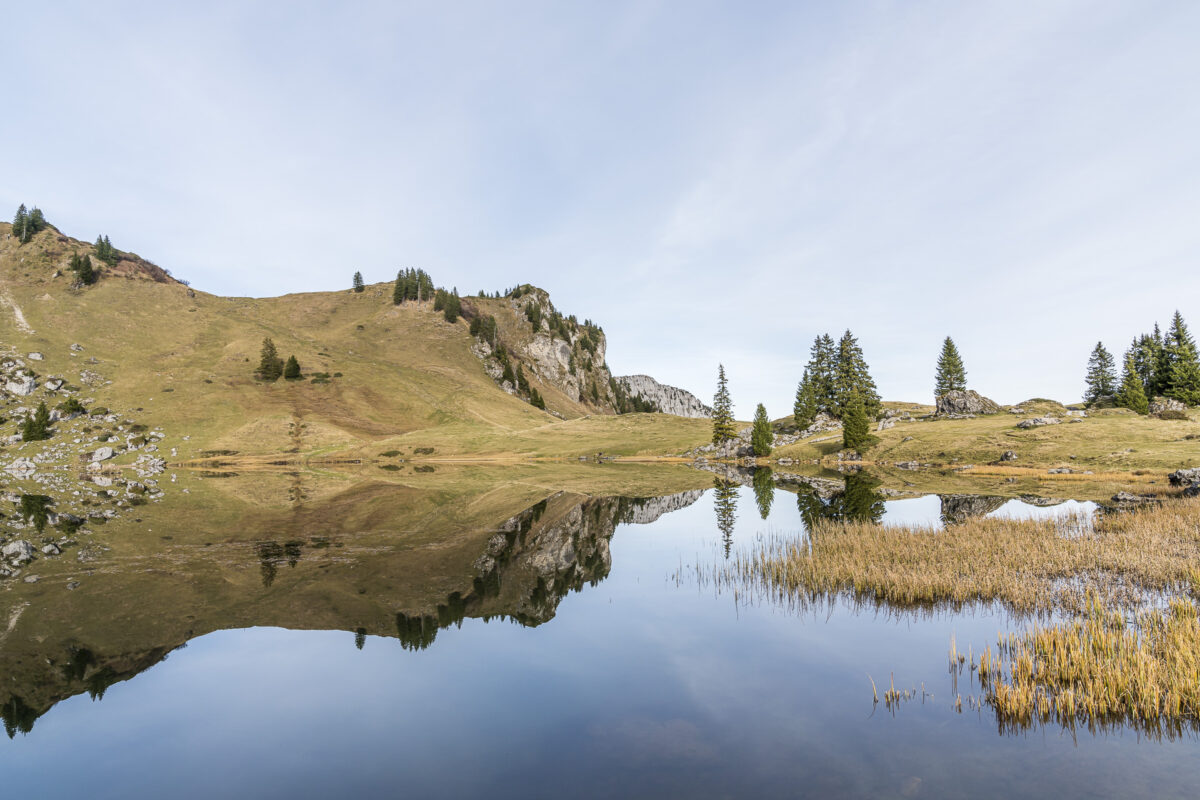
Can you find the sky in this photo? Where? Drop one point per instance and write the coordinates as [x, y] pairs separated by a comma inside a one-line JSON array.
[[710, 182]]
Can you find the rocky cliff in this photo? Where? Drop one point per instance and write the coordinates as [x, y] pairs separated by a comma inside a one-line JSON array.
[[668, 399]]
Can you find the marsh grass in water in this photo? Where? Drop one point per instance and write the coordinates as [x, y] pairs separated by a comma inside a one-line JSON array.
[[1031, 566]]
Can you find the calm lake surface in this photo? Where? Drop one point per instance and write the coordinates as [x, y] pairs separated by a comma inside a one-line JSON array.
[[604, 669]]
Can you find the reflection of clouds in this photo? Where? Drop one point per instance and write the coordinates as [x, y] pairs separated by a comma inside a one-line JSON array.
[[643, 739]]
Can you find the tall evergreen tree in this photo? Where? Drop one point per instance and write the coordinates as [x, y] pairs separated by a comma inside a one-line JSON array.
[[291, 370], [724, 429], [358, 284], [36, 427], [1146, 352], [761, 436], [725, 504], [822, 371], [1131, 394], [20, 226], [1101, 375], [951, 375], [855, 425], [804, 410], [1183, 367], [852, 376], [270, 365]]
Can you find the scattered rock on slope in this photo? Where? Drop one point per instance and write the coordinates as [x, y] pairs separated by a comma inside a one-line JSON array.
[[965, 402]]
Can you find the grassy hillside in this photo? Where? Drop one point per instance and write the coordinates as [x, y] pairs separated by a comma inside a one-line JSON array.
[[186, 359]]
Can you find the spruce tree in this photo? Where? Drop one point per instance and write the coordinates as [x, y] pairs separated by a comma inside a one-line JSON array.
[[852, 375], [291, 370], [270, 365], [1183, 368], [855, 425], [1131, 394], [1101, 375], [822, 369], [358, 284], [761, 436], [804, 410], [724, 429], [951, 375], [36, 427], [725, 498], [1146, 352], [20, 226]]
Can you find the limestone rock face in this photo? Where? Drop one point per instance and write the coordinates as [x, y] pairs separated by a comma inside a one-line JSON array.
[[1037, 422], [21, 385], [669, 399], [965, 402]]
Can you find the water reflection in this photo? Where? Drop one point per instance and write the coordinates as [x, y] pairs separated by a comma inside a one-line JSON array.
[[857, 499], [725, 498], [763, 483]]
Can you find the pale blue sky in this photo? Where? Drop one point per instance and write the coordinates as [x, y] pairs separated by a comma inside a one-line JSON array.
[[709, 181]]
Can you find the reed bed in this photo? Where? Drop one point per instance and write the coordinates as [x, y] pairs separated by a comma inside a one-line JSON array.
[[1130, 560], [1100, 670]]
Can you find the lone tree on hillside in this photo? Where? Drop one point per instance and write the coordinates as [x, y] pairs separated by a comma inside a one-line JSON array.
[[1101, 375], [1132, 395], [855, 425], [760, 435], [36, 427], [724, 429], [951, 375], [81, 265], [270, 365], [26, 224], [291, 370], [358, 282]]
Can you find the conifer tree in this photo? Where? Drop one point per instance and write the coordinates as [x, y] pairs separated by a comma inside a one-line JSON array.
[[822, 369], [725, 504], [36, 427], [855, 425], [291, 370], [852, 375], [358, 284], [1183, 367], [451, 306], [270, 365], [804, 410], [1101, 375], [724, 429], [761, 436], [951, 375], [1131, 394], [20, 226], [1146, 352], [535, 399]]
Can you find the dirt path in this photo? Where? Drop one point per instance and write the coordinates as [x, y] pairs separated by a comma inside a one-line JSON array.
[[18, 316]]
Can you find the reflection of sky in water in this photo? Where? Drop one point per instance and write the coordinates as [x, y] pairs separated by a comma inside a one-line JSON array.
[[1018, 509], [639, 687]]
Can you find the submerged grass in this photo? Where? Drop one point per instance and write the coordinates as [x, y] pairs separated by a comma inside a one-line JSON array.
[[1030, 566]]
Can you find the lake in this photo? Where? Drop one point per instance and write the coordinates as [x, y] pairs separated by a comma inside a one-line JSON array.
[[508, 639]]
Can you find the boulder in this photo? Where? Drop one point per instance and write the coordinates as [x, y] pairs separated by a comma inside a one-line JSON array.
[[18, 552], [102, 454], [21, 386], [1163, 405], [1184, 477], [36, 357], [1037, 422], [54, 384], [1008, 455], [965, 402]]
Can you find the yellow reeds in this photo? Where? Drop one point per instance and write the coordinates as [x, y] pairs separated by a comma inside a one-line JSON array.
[[1030, 565]]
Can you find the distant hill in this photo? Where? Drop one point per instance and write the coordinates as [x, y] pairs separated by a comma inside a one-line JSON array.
[[372, 371]]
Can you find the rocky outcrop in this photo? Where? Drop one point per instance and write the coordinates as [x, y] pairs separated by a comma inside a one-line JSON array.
[[964, 403], [1037, 422], [645, 510], [1161, 406], [668, 399]]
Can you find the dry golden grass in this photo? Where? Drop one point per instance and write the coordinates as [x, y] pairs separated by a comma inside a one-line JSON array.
[[1100, 670], [1028, 565]]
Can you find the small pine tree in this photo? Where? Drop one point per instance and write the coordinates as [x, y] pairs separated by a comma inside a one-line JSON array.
[[20, 226], [36, 427], [1131, 394], [451, 307], [951, 375], [855, 425], [724, 429], [805, 409], [1101, 375], [291, 370], [535, 399], [270, 365], [358, 284], [761, 436]]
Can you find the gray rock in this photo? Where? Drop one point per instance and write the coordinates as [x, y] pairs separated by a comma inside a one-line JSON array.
[[1184, 477], [102, 454], [1037, 422], [1008, 455], [1160, 404], [965, 402], [1129, 498], [669, 399], [36, 357], [54, 384], [21, 386], [51, 549], [18, 552]]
